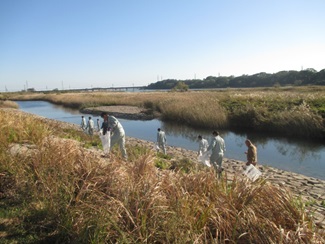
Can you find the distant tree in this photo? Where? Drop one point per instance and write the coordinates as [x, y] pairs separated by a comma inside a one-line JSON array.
[[164, 84], [311, 70], [319, 78], [297, 82], [276, 85], [282, 78], [180, 86]]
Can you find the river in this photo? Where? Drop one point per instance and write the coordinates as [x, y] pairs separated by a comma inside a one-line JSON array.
[[299, 156]]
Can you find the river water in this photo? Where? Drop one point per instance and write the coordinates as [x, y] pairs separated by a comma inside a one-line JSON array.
[[300, 156]]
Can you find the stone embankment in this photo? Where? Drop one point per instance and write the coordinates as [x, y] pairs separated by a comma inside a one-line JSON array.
[[311, 190]]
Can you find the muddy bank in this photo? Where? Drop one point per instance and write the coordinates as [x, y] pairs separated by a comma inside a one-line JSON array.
[[123, 112]]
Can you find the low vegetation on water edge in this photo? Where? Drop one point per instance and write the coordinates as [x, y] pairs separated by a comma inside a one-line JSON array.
[[54, 189], [289, 111], [8, 104]]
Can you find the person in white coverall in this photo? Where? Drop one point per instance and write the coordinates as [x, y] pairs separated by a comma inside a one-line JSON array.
[[161, 140], [98, 125], [117, 132], [83, 124], [218, 148], [105, 137], [90, 126], [203, 145]]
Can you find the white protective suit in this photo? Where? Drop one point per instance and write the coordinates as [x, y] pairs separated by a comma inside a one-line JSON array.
[[203, 153], [218, 147], [83, 124], [117, 134], [90, 127], [161, 140], [203, 146], [98, 125]]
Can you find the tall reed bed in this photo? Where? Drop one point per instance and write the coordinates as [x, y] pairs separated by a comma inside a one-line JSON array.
[[287, 111], [75, 196], [8, 104]]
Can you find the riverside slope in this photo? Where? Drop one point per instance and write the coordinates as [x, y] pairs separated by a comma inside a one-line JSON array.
[[310, 189]]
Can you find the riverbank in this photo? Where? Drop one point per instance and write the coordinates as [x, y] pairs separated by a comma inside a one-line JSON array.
[[232, 168], [310, 189]]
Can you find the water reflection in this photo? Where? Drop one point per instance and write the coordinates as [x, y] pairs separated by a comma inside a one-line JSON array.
[[65, 109], [184, 131], [300, 156], [300, 151]]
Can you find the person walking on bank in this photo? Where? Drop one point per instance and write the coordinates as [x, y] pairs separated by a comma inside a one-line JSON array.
[[83, 124], [251, 153], [161, 140], [218, 148], [105, 137], [98, 125], [117, 132], [203, 145], [90, 126]]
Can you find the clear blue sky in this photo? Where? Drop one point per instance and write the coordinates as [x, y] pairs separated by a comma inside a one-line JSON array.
[[48, 44]]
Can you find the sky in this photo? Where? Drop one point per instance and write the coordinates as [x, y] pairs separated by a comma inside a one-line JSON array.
[[72, 44]]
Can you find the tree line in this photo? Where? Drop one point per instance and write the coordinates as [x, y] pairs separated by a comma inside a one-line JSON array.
[[282, 78]]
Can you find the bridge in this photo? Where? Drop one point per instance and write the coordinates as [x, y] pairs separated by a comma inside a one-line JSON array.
[[93, 89]]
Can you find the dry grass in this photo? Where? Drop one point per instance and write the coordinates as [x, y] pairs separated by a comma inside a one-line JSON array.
[[8, 104], [83, 198], [281, 110]]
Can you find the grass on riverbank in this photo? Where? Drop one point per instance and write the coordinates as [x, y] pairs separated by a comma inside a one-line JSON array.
[[8, 104], [291, 111], [58, 190]]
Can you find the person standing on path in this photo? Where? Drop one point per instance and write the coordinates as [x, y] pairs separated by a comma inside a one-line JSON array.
[[161, 140], [83, 124], [105, 137], [218, 148], [90, 126], [117, 132], [203, 145], [251, 153], [98, 125]]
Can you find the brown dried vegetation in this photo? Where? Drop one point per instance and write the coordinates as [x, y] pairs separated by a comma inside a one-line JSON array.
[[70, 194]]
